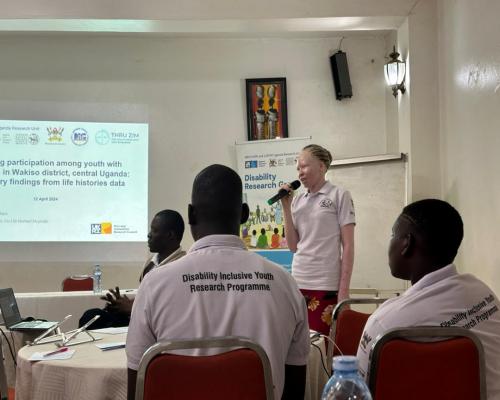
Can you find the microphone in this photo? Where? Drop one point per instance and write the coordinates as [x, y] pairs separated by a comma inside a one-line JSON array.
[[283, 192]]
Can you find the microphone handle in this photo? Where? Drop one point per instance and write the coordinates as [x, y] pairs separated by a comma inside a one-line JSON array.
[[281, 193]]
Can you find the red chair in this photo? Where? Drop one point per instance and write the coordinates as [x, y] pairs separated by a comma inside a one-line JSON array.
[[77, 282], [347, 327], [402, 366], [243, 372]]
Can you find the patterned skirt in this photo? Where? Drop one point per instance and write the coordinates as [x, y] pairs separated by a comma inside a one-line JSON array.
[[320, 304]]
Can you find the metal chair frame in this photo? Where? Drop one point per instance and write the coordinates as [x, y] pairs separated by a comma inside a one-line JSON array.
[[229, 343], [335, 315], [422, 332]]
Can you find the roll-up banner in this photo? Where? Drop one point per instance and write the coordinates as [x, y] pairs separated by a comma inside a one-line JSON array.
[[264, 166]]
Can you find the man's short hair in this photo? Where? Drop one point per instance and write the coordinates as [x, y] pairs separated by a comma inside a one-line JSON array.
[[439, 224], [217, 194], [171, 221]]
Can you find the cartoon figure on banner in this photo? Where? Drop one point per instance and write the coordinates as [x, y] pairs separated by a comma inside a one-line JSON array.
[[262, 240], [284, 243], [278, 213], [253, 239], [271, 214], [275, 239], [264, 229], [264, 215]]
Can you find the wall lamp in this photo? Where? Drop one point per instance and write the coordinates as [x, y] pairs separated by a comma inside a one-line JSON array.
[[395, 72]]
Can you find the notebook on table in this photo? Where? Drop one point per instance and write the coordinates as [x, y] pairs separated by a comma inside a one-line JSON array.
[[12, 317]]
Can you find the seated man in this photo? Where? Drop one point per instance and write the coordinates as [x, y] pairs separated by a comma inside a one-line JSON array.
[[164, 238], [425, 241], [221, 289]]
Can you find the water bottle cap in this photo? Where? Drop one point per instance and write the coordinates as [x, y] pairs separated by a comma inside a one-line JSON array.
[[345, 363]]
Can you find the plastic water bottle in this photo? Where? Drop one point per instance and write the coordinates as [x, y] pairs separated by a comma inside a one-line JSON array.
[[346, 383], [97, 279]]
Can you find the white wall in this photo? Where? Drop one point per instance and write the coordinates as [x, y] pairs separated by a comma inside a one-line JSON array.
[[469, 73], [418, 108], [192, 93], [425, 162]]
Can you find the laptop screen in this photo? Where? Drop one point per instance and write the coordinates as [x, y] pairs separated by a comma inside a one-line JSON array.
[[8, 306]]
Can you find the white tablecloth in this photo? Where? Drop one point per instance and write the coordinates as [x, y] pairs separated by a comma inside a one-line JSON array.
[[94, 374], [16, 340], [90, 374]]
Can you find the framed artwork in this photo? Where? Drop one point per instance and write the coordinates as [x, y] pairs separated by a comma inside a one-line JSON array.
[[266, 108]]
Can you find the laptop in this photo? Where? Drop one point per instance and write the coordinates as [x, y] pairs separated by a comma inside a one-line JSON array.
[[12, 317]]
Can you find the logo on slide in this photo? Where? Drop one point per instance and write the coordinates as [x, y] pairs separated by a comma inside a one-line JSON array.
[[104, 228], [55, 134], [251, 164], [80, 136], [102, 137], [33, 138]]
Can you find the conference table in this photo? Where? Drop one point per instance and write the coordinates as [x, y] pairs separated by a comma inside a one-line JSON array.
[[102, 375], [52, 306], [90, 373]]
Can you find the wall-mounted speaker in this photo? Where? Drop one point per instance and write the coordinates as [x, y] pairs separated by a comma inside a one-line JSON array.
[[340, 72]]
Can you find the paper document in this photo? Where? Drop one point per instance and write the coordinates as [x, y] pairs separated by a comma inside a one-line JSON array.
[[112, 331], [42, 356]]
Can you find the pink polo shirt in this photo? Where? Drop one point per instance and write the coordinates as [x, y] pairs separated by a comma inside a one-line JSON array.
[[318, 217]]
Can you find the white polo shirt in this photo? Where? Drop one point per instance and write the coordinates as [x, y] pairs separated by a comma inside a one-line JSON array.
[[221, 289], [318, 217], [443, 298]]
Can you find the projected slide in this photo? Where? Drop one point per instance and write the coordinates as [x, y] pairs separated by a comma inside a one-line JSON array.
[[73, 181]]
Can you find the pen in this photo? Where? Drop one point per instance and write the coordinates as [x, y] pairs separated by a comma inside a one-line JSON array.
[[118, 346], [61, 350]]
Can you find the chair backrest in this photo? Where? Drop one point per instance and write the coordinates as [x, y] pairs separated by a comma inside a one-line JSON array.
[[428, 363], [77, 282], [242, 372], [347, 327]]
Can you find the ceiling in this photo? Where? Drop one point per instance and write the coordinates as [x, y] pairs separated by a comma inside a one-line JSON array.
[[234, 18]]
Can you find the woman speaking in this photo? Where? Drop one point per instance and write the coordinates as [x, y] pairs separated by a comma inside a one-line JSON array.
[[319, 227]]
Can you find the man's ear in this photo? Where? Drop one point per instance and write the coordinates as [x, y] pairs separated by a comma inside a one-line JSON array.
[[408, 245], [191, 215], [245, 212]]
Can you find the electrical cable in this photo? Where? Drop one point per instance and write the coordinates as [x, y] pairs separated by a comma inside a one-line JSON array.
[[10, 348], [13, 342], [340, 43], [322, 359], [332, 342], [318, 335]]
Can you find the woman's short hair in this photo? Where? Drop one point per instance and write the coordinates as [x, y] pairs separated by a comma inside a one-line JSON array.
[[320, 153]]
